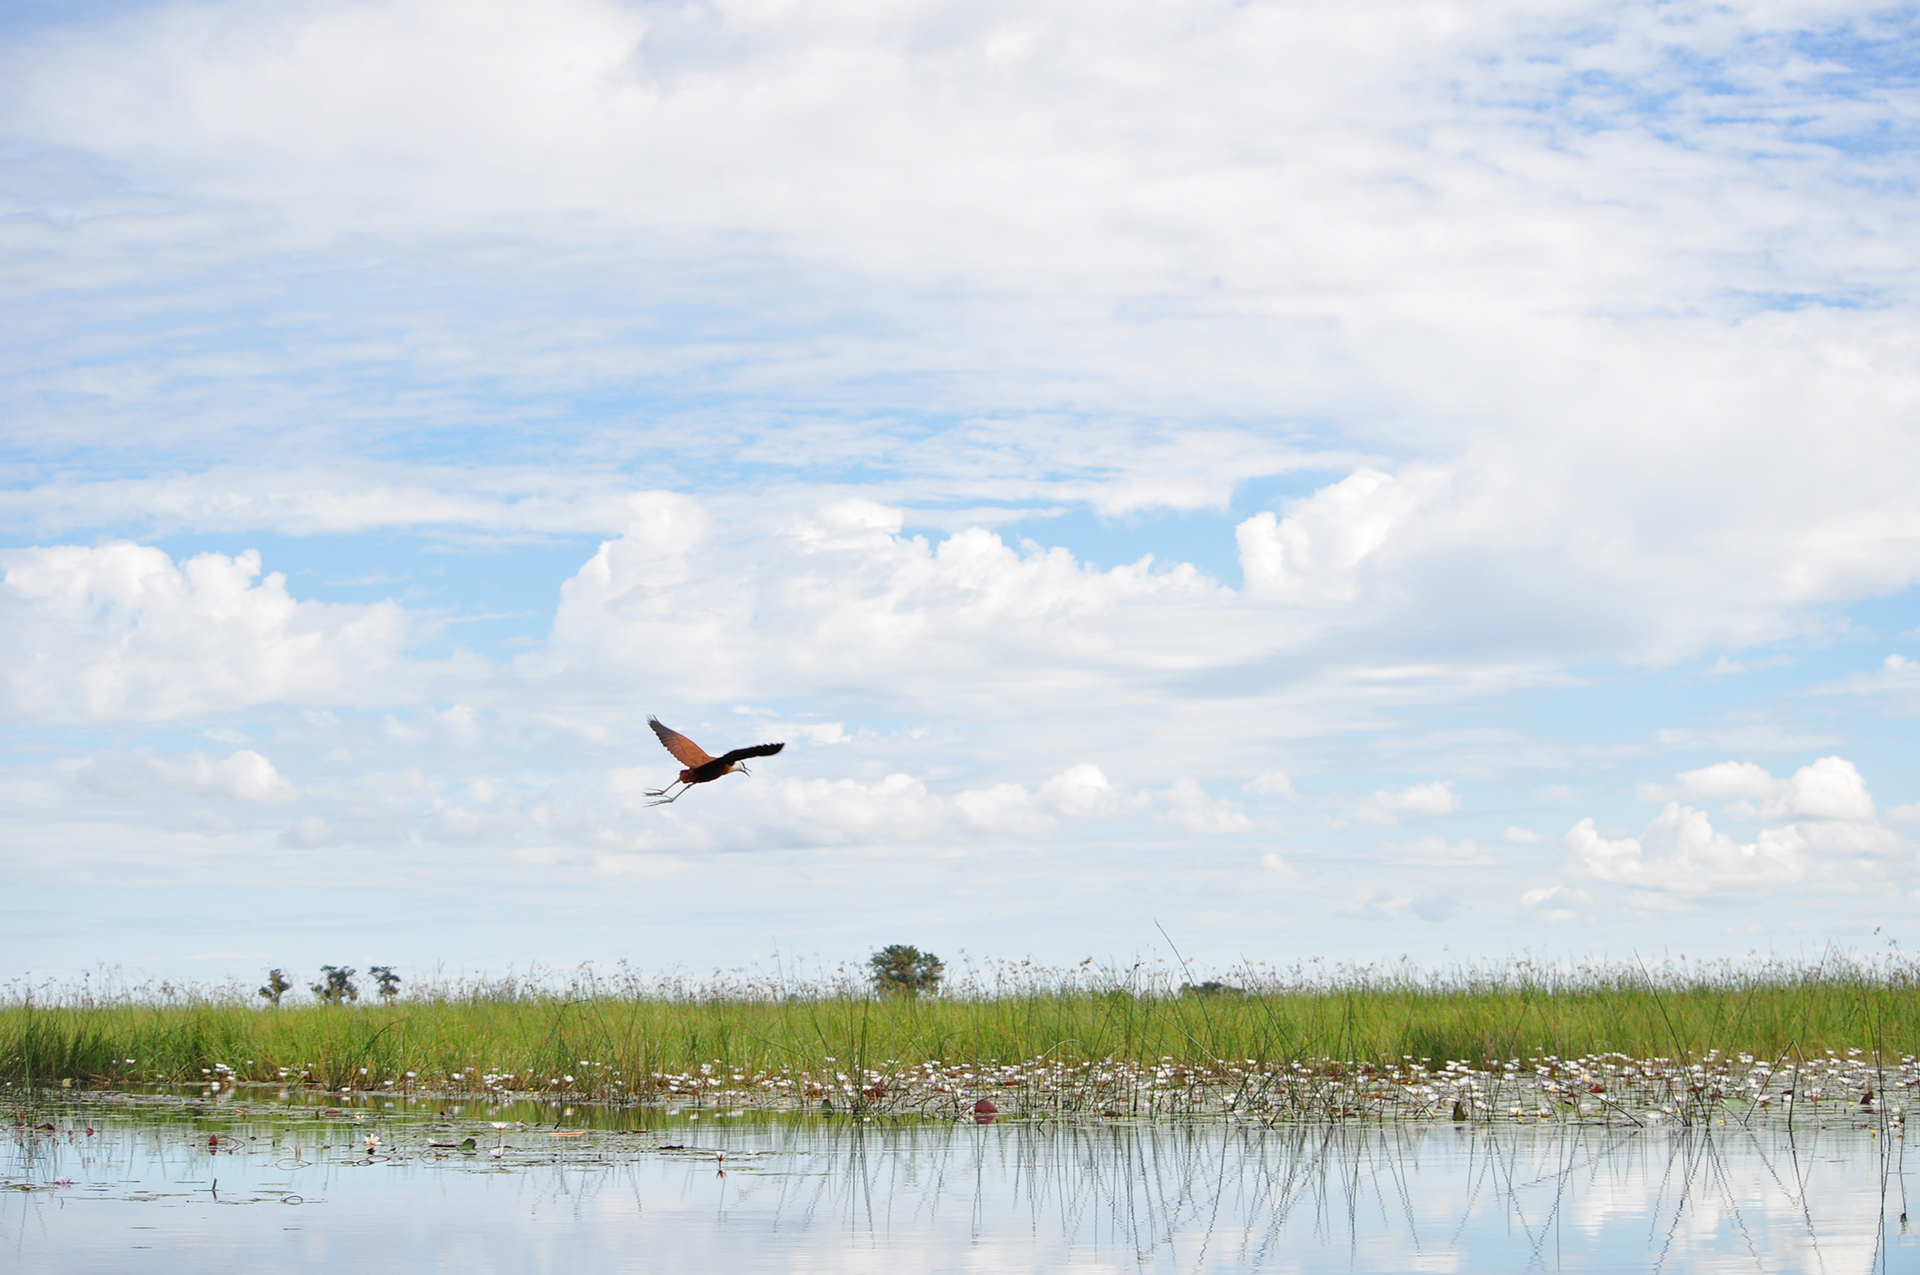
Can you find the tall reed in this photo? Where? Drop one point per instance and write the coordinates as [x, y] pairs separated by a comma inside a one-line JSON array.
[[611, 1037]]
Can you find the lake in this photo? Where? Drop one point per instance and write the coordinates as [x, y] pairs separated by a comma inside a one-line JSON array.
[[253, 1182]]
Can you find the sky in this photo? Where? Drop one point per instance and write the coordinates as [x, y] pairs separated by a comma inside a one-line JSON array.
[[1247, 483]]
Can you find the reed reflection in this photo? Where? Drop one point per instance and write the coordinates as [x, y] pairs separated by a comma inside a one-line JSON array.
[[758, 1191]]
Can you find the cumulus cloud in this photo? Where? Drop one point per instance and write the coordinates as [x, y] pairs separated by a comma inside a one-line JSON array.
[[613, 811], [843, 599], [1822, 832], [1895, 684], [1383, 807], [1830, 788], [1190, 806], [901, 808], [309, 832], [242, 776], [1272, 783], [1681, 851], [1314, 553], [1080, 791], [820, 733], [123, 633], [896, 808], [1555, 902]]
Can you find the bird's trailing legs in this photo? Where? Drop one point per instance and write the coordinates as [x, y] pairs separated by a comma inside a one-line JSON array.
[[665, 800], [662, 794]]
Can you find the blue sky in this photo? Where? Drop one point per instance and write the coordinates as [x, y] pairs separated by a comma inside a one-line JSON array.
[[1326, 481]]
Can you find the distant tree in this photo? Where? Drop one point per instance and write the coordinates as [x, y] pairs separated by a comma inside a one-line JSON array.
[[338, 988], [906, 970], [1212, 987], [277, 986], [388, 980]]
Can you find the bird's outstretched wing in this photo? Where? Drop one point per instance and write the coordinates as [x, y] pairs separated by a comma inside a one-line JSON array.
[[758, 750], [690, 754]]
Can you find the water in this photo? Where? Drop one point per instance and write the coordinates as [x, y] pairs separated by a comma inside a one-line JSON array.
[[172, 1185]]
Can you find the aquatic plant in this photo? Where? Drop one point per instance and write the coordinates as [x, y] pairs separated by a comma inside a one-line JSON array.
[[1339, 1042]]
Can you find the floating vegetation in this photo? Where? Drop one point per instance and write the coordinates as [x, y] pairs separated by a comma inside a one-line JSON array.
[[1607, 1088]]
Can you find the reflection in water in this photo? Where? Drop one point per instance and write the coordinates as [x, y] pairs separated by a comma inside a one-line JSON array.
[[169, 1187]]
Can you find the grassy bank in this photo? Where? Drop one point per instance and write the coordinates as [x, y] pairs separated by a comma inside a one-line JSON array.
[[588, 1040]]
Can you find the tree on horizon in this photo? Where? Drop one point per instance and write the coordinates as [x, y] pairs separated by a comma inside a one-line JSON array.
[[905, 969]]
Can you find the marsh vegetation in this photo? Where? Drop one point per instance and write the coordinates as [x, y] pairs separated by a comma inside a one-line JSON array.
[[1493, 1042]]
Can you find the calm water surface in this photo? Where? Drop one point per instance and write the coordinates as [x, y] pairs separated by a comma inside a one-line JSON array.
[[262, 1186]]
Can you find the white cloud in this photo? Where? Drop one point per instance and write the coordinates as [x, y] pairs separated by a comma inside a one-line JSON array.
[[1272, 783], [1830, 788], [243, 776], [1378, 906], [309, 832], [1681, 851], [1438, 851], [121, 632], [1896, 671], [901, 808], [332, 501], [1313, 554], [1005, 808], [1190, 806], [461, 723], [1728, 781], [1521, 836], [820, 734], [843, 600], [1824, 834], [1724, 667], [1383, 807], [1437, 904], [613, 811], [1555, 902], [1895, 684], [1080, 791]]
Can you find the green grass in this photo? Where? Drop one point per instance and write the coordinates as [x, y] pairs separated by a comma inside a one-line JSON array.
[[452, 1039]]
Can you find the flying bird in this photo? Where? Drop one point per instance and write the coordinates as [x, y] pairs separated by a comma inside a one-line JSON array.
[[700, 768]]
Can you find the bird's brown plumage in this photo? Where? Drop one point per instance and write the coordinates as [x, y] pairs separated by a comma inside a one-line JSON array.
[[701, 768], [688, 753]]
